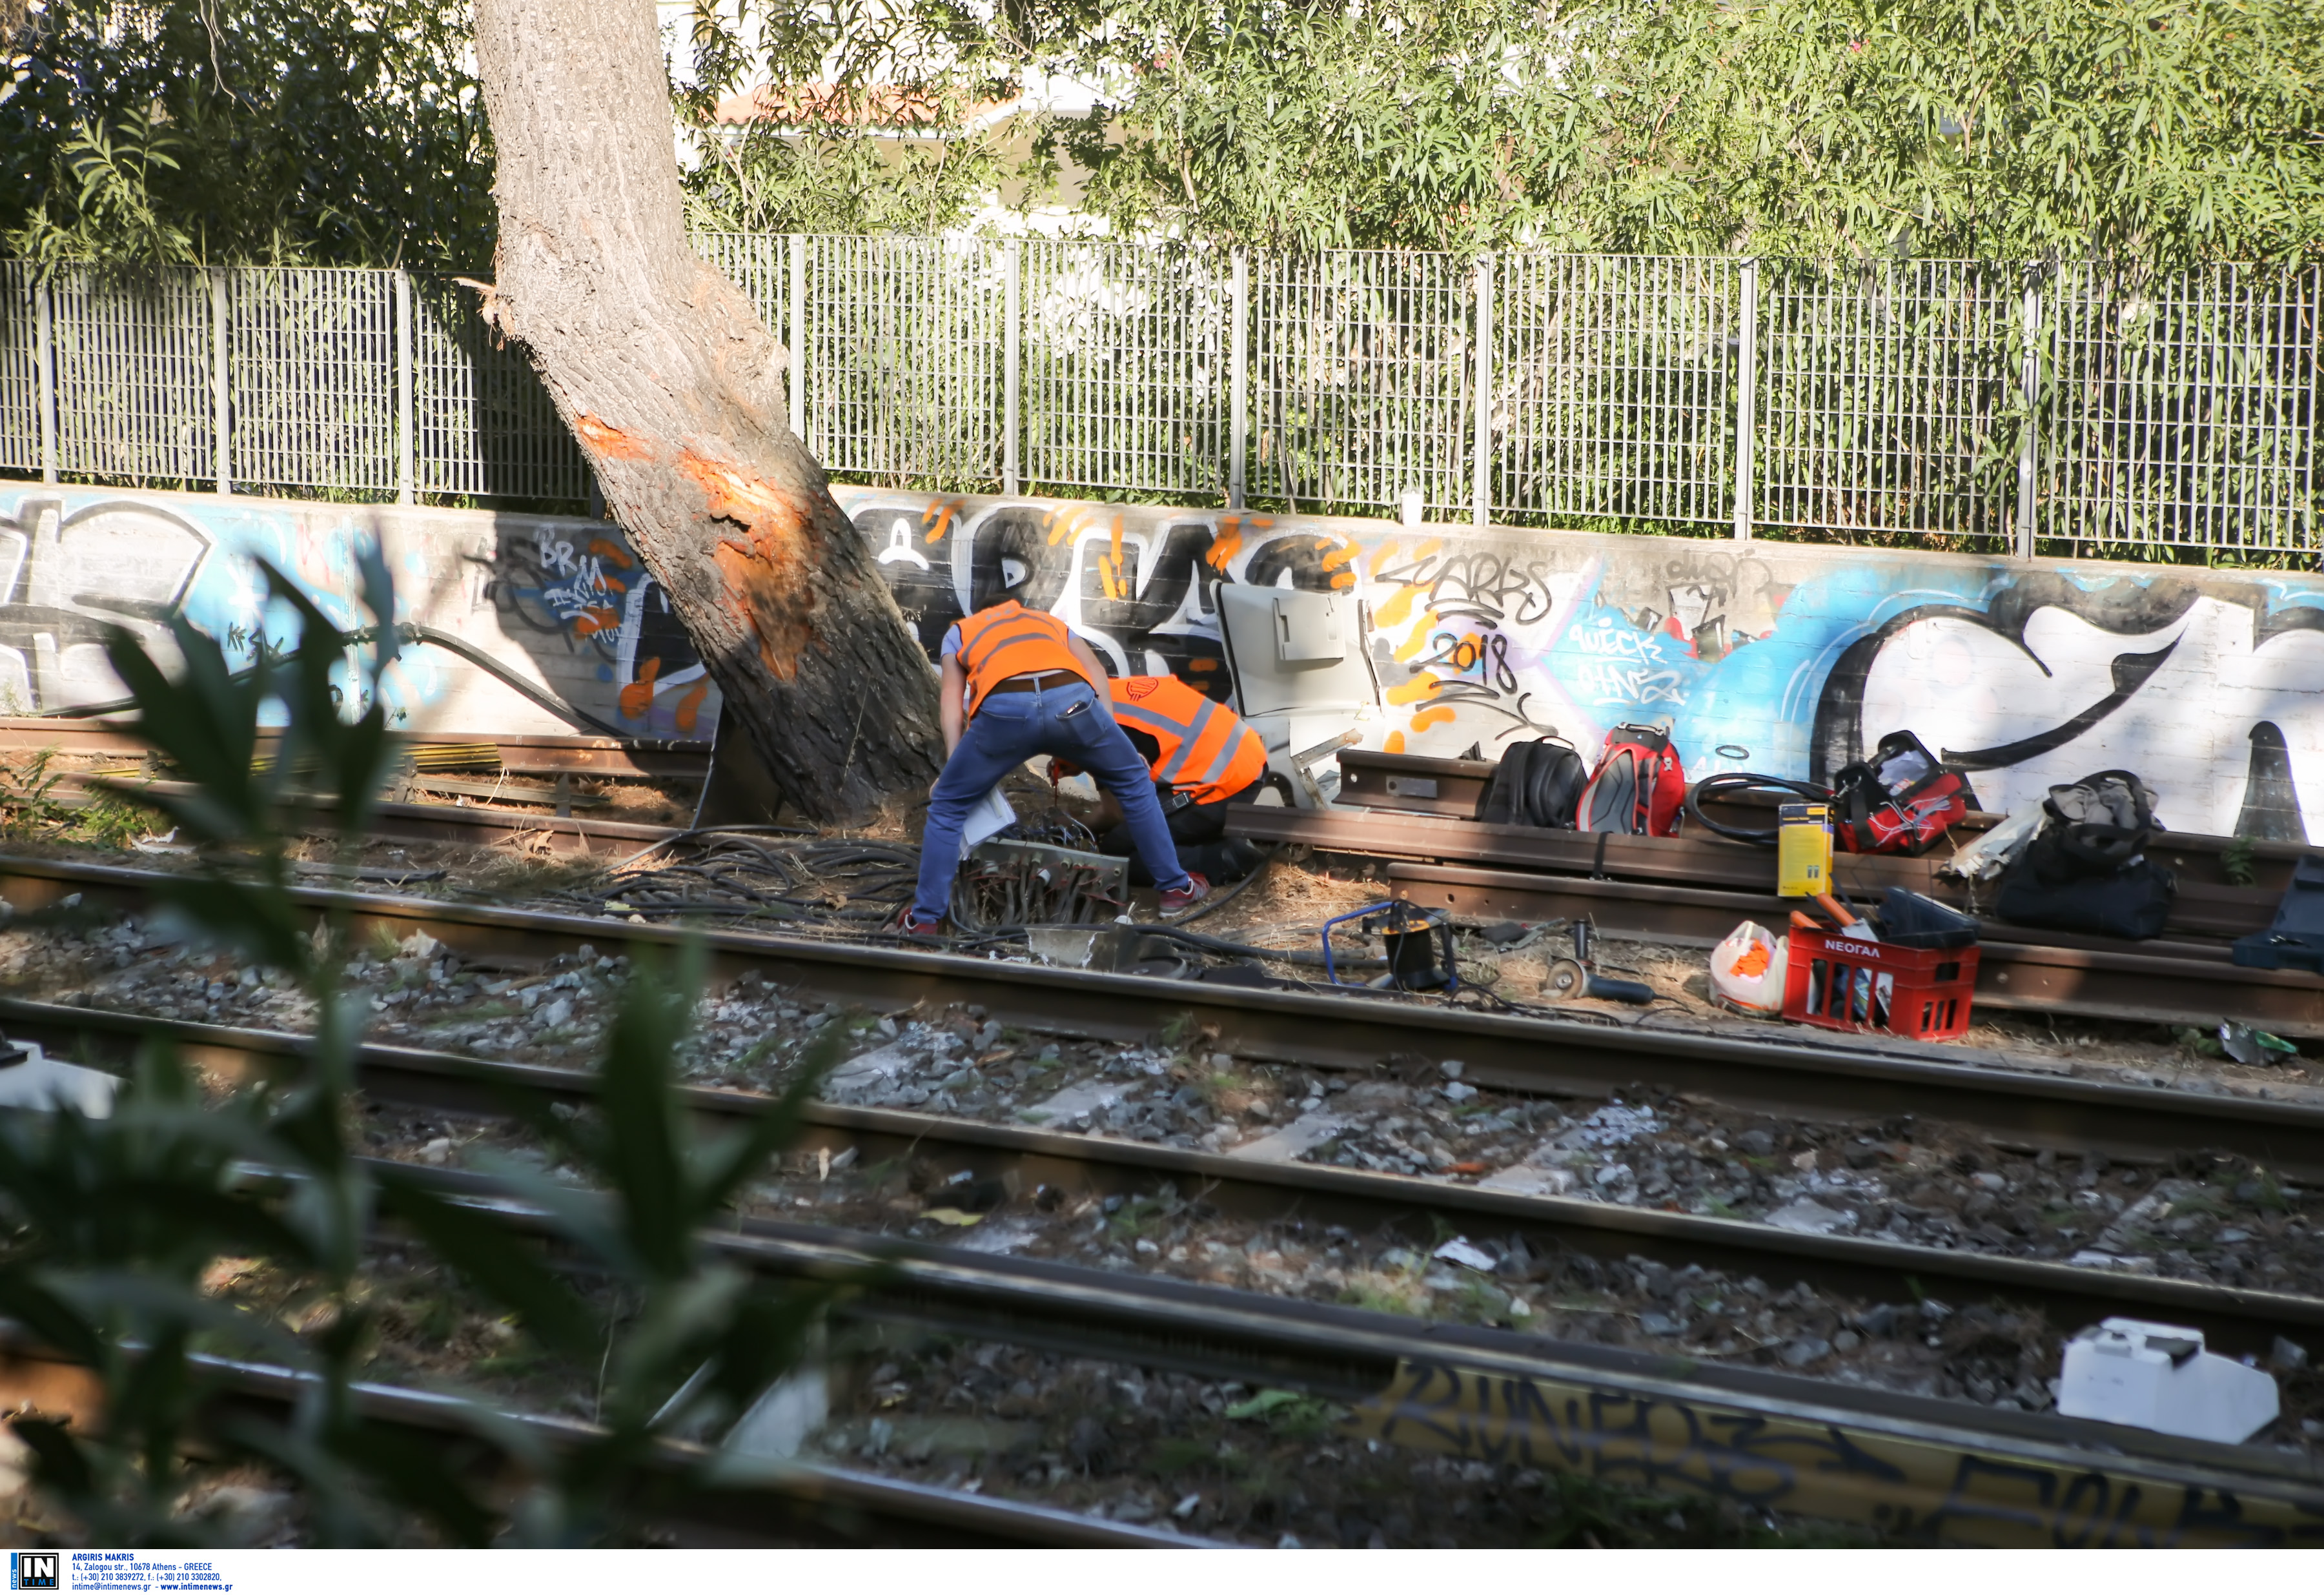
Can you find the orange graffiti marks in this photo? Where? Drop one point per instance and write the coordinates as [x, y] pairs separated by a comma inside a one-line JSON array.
[[939, 518], [1434, 714], [1227, 544], [1416, 689], [1395, 742], [609, 441], [637, 696], [1338, 556], [689, 707], [1418, 639], [1343, 580], [770, 569], [590, 621], [1108, 576], [1386, 552], [1394, 607], [613, 553]]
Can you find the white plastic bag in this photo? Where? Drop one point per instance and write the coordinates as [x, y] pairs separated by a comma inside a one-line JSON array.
[[1986, 857], [1748, 970]]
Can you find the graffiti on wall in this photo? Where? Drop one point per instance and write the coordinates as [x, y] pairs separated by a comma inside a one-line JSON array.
[[1784, 658], [565, 605], [578, 587]]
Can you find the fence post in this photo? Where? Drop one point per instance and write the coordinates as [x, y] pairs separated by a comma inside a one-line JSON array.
[[405, 485], [1012, 352], [45, 337], [2027, 443], [1481, 512], [799, 336], [1239, 380], [220, 416], [1747, 386]]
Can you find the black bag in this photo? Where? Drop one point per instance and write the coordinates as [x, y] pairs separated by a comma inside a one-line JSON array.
[[2131, 903], [2086, 869], [1537, 783]]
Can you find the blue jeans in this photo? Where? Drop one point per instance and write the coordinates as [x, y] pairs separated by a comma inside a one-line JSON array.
[[1067, 722]]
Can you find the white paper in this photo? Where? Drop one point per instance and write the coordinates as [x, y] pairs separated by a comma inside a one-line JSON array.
[[988, 818]]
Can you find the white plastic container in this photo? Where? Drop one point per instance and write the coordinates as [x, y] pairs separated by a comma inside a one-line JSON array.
[[2158, 1377], [1747, 971]]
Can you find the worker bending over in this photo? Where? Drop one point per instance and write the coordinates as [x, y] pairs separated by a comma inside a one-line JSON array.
[[1016, 682], [1202, 759]]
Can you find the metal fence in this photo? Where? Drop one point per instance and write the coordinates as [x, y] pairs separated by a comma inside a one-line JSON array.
[[1905, 398]]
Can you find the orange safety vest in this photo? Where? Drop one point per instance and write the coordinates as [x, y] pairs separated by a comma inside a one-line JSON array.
[[1206, 752], [1011, 639]]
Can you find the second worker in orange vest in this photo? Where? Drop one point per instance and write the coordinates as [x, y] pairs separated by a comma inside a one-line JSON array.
[[1202, 758]]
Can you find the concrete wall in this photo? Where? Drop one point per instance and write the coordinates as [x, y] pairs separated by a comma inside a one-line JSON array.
[[1784, 658], [1780, 658], [563, 604]]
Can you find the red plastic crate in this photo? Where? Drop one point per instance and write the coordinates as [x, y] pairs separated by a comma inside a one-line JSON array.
[[1926, 996]]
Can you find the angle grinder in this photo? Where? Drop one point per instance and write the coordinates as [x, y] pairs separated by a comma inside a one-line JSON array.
[[1578, 976]]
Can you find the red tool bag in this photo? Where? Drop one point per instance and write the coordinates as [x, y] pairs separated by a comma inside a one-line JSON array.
[[1637, 788], [1899, 801]]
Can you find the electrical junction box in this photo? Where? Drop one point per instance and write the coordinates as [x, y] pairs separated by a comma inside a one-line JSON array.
[[2158, 1377], [1310, 627]]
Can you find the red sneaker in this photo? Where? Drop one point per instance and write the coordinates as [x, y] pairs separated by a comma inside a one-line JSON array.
[[912, 925], [1195, 889]]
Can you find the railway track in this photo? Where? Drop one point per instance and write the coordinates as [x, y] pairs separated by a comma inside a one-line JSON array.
[[1759, 1439], [1470, 1395], [1083, 1166], [742, 1502], [1821, 1079], [1696, 891]]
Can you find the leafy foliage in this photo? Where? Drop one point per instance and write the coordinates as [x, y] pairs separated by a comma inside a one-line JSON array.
[[2149, 131], [109, 1226], [247, 132]]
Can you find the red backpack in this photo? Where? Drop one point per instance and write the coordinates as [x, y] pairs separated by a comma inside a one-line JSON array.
[[1899, 801], [1637, 788]]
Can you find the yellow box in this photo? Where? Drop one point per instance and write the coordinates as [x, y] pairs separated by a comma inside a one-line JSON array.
[[1803, 849]]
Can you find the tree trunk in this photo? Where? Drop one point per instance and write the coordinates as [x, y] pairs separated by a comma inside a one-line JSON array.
[[674, 387]]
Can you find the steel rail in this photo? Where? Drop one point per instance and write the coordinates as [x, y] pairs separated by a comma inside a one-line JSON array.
[[1784, 1074], [2209, 903], [738, 1501], [618, 758], [2237, 1318]]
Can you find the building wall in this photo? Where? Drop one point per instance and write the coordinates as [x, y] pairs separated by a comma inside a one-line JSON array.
[[564, 605], [1785, 659]]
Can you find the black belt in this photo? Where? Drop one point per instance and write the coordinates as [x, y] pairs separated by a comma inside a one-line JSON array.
[[1040, 682]]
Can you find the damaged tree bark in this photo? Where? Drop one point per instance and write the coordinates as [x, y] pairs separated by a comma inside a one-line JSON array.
[[674, 387]]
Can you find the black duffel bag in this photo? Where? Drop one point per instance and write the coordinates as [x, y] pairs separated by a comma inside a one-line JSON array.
[[2086, 870]]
